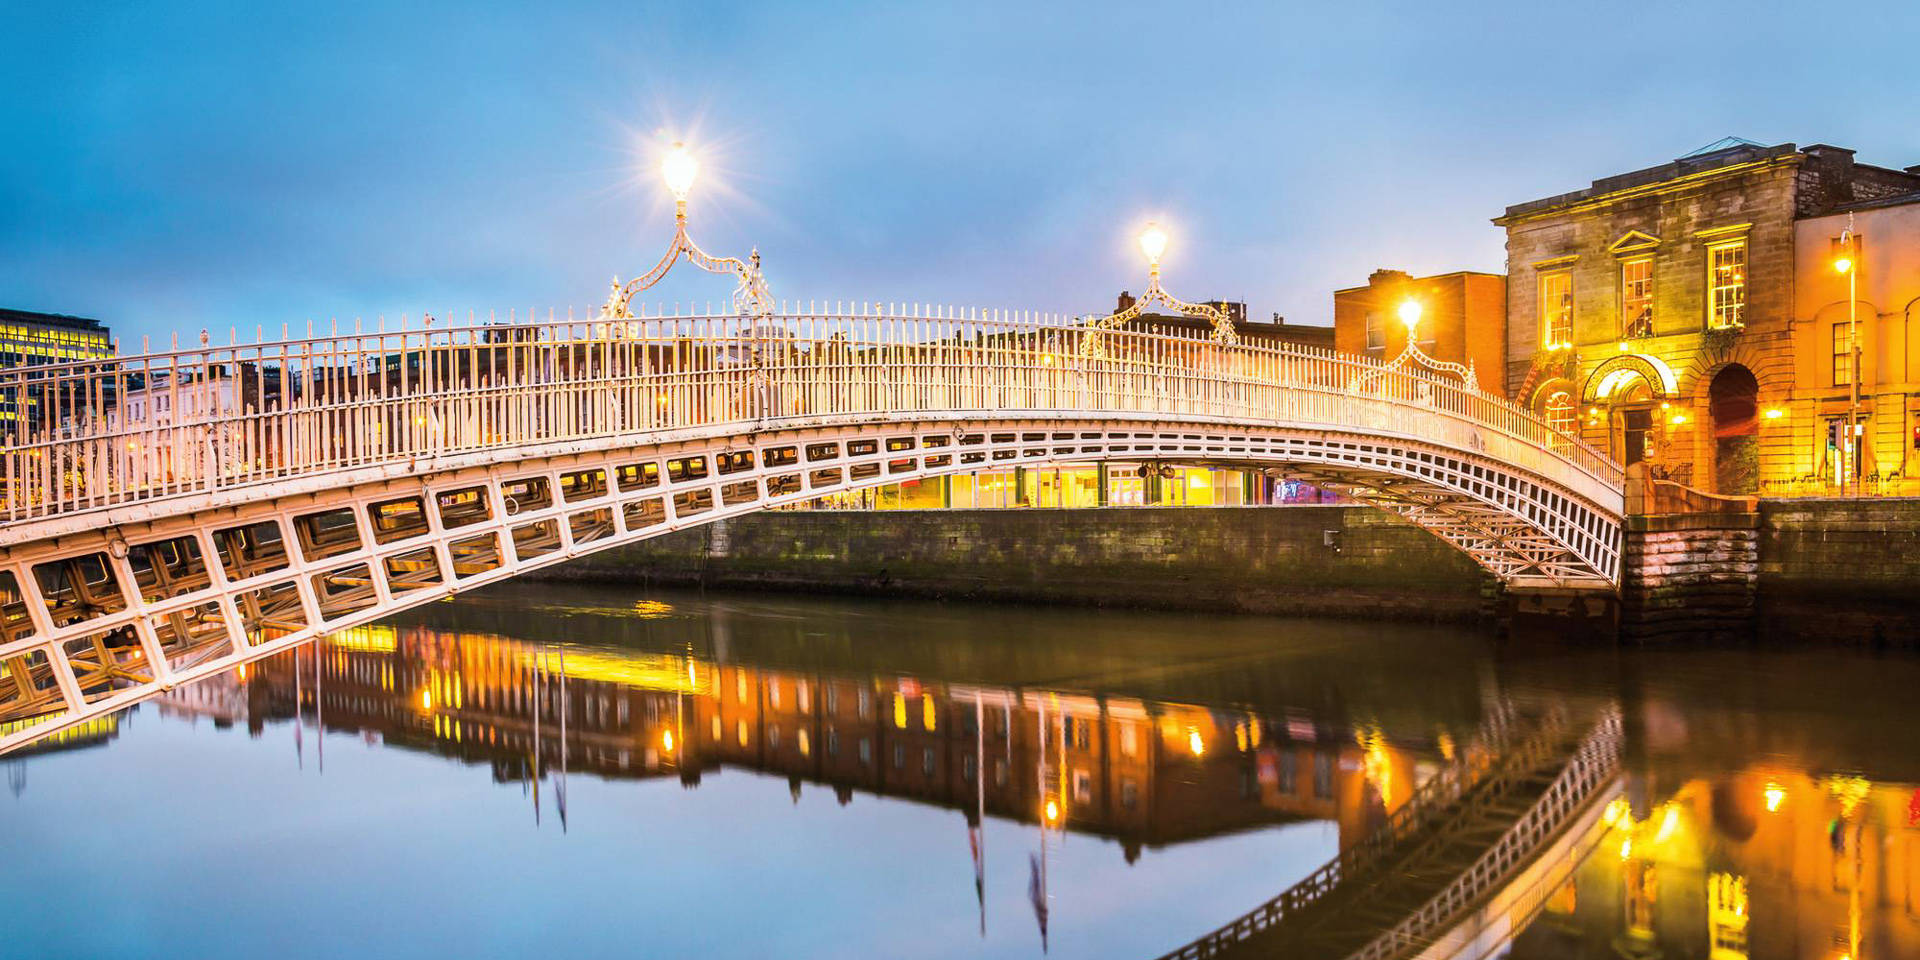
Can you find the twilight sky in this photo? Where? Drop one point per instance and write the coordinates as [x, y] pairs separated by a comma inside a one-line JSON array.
[[178, 166]]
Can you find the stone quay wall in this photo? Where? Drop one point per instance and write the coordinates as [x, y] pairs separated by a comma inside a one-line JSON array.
[[1845, 570], [1691, 577], [1295, 560]]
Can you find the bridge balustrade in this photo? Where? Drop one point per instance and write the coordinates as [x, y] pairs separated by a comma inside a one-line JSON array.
[[89, 435]]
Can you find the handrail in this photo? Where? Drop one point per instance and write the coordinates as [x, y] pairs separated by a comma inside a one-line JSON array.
[[1432, 802], [91, 434], [1591, 767]]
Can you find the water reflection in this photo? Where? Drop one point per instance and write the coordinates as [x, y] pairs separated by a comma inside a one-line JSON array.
[[879, 779], [1146, 772]]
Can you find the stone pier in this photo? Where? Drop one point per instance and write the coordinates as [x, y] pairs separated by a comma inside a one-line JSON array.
[[1690, 567]]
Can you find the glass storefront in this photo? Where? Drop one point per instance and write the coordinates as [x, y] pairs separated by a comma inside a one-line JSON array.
[[1076, 486]]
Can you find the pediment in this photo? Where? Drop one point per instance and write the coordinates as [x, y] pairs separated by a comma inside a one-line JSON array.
[[1633, 241]]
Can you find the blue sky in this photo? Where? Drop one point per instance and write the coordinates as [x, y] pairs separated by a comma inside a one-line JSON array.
[[177, 166]]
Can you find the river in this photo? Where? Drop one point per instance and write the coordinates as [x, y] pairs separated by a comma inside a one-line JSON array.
[[569, 771]]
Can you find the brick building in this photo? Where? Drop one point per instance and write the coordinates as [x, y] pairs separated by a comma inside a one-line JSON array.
[[1463, 320], [1651, 311]]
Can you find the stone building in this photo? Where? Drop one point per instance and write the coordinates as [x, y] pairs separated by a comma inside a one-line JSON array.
[[1882, 254], [1463, 320], [1652, 311]]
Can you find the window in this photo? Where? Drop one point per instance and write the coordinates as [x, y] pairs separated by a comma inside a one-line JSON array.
[[1559, 411], [1556, 308], [1288, 766], [1376, 334], [926, 761], [1727, 284], [1842, 356], [1636, 298], [1323, 776]]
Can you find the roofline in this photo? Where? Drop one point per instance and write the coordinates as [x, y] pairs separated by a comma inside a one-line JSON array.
[[1594, 195], [1435, 276]]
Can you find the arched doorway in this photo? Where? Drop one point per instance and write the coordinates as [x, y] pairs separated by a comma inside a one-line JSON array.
[[1733, 406]]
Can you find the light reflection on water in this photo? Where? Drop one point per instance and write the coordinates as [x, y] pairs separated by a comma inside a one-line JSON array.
[[592, 772]]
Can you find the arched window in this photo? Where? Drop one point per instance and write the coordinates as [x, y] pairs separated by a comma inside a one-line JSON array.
[[1559, 411]]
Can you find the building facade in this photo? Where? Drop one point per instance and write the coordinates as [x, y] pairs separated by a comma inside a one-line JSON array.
[[30, 339], [1652, 312], [1463, 320], [1878, 244]]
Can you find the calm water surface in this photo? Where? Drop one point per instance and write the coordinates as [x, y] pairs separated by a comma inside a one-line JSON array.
[[558, 771]]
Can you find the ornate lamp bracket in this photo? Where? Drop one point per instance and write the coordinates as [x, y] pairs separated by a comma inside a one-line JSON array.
[[750, 294], [1152, 243]]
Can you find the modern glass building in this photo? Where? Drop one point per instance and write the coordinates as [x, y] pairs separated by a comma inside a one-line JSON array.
[[29, 339]]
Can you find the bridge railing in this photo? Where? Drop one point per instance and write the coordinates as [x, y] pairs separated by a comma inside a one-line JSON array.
[[86, 435], [1431, 805], [1592, 766]]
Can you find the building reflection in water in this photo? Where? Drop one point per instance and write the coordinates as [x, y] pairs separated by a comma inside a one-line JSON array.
[[1765, 863], [1143, 772]]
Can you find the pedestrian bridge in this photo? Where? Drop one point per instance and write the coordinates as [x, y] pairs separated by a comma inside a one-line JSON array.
[[172, 514]]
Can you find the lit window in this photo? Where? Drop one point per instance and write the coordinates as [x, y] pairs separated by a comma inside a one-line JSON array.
[[1559, 411], [1727, 284], [1556, 308], [1636, 297], [1842, 356], [1376, 334]]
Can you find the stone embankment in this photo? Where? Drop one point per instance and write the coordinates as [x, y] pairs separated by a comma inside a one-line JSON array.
[[1296, 560]]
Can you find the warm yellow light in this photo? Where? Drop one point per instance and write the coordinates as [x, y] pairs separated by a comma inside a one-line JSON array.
[[1626, 847], [1615, 810], [666, 740], [426, 699], [1775, 413], [1776, 795], [1668, 824], [1842, 263], [1677, 419], [1410, 313], [1623, 346], [1053, 811], [678, 168], [1195, 744], [1153, 242]]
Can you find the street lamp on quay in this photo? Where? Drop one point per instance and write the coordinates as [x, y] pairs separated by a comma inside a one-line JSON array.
[[679, 168], [1843, 263]]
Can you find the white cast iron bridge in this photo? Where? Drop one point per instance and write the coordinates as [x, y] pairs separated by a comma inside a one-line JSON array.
[[174, 514]]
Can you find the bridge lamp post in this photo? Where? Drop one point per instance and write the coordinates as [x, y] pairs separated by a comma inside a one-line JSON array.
[[679, 168], [1153, 244], [1410, 311]]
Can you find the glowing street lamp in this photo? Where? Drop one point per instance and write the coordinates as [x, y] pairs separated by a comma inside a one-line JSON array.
[[1153, 243], [1410, 311], [679, 168], [1843, 264]]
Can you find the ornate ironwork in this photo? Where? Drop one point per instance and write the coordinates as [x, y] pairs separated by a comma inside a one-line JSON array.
[[750, 295]]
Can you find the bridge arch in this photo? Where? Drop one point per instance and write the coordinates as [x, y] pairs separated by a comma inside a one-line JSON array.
[[103, 605]]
